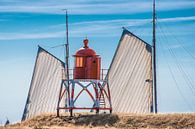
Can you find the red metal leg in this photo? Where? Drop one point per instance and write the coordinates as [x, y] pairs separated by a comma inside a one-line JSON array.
[[99, 91]]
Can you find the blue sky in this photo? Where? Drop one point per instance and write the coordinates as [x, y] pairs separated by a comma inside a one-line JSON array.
[[26, 24]]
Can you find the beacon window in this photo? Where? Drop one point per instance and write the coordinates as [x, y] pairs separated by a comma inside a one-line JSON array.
[[79, 61]]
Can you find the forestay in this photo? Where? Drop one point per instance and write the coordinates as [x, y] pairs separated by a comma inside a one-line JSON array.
[[130, 75], [45, 85]]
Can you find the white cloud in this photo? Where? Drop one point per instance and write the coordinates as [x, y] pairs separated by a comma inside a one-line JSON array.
[[3, 20], [94, 7], [94, 28], [18, 36], [177, 19], [76, 8], [102, 28]]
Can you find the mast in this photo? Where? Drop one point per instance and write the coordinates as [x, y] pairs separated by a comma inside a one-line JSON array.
[[154, 59], [66, 53], [67, 47]]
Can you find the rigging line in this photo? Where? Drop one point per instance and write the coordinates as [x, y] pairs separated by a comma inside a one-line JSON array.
[[179, 88], [180, 43], [183, 66], [48, 47], [189, 84], [138, 27], [61, 45], [182, 71], [174, 79], [61, 53], [191, 89], [187, 80], [52, 47], [180, 66]]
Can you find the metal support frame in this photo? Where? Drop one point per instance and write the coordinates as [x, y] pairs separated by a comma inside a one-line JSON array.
[[101, 97]]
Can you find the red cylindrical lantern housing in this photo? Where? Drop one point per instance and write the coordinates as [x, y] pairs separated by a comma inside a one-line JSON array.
[[87, 63]]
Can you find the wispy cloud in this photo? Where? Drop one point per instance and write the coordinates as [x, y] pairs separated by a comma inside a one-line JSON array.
[[3, 20], [118, 23], [88, 7], [76, 9], [108, 28], [177, 19], [19, 36], [80, 29]]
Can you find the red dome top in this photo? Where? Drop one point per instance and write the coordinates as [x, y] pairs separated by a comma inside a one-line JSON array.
[[85, 51]]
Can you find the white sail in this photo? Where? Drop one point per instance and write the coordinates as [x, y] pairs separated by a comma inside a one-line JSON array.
[[45, 85], [130, 75]]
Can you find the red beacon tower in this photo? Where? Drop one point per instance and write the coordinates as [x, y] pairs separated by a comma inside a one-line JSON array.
[[86, 78], [87, 63]]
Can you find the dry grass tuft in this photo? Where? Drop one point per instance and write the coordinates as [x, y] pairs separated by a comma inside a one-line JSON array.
[[113, 121]]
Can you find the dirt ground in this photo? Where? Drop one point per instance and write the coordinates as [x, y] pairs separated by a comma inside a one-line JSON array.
[[109, 121]]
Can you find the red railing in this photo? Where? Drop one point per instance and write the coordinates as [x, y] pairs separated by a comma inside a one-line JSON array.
[[103, 73]]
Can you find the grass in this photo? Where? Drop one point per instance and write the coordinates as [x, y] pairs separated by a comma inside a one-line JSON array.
[[114, 121]]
